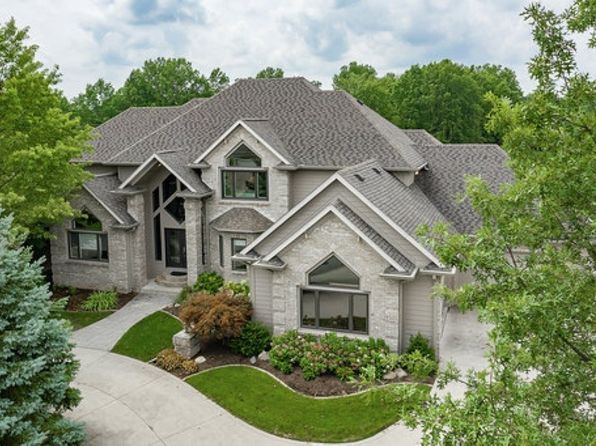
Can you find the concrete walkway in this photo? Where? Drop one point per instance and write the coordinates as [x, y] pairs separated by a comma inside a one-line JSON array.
[[104, 334], [464, 342], [127, 402]]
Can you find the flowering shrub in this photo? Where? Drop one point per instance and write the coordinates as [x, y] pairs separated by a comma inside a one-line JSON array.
[[238, 288], [341, 356]]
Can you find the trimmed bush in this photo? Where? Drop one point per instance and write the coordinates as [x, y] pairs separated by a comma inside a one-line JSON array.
[[253, 339], [171, 361], [216, 316], [183, 295], [338, 355], [100, 301], [208, 282], [238, 288], [421, 344], [418, 365]]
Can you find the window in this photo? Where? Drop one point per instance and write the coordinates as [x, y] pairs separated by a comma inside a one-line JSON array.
[[221, 251], [334, 310], [324, 308], [244, 178], [238, 244], [86, 241], [157, 236], [333, 273], [176, 209], [169, 187], [155, 198]]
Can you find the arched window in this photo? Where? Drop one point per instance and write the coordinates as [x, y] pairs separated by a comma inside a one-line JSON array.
[[244, 177], [333, 273], [339, 310], [86, 239]]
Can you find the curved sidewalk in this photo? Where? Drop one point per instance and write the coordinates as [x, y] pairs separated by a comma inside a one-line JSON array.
[[127, 402]]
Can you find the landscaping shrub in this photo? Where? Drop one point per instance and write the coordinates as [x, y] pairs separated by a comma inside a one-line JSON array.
[[208, 282], [171, 361], [421, 344], [418, 365], [100, 301], [238, 288], [183, 294], [216, 316], [333, 354], [253, 339]]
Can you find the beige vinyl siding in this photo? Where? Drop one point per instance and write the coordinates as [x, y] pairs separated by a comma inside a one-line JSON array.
[[261, 295], [328, 196], [303, 182], [417, 309]]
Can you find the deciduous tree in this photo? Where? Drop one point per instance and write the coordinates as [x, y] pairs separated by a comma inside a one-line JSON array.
[[270, 73]]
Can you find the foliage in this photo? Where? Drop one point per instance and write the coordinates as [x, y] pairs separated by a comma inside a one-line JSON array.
[[159, 82], [540, 301], [362, 82], [419, 343], [36, 360], [270, 73], [238, 288], [172, 361], [253, 339], [216, 316], [208, 282], [418, 364], [100, 301], [38, 139], [328, 354], [145, 339], [183, 294], [96, 104], [80, 319], [260, 400]]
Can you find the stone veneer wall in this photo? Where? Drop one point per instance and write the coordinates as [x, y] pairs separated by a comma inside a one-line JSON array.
[[87, 274], [330, 235]]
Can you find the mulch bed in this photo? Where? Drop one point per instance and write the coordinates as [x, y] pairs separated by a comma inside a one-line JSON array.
[[79, 295]]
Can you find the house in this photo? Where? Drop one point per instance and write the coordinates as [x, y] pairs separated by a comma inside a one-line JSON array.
[[309, 195]]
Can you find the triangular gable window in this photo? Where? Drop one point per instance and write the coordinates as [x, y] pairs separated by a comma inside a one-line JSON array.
[[333, 273], [243, 157]]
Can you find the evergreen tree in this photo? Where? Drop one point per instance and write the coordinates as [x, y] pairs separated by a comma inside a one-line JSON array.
[[37, 364]]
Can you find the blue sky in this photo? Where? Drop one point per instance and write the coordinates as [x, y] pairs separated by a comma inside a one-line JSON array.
[[89, 39]]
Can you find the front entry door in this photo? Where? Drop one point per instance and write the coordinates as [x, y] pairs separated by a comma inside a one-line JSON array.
[[175, 248]]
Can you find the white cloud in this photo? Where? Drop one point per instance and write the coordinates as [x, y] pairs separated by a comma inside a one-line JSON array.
[[89, 39]]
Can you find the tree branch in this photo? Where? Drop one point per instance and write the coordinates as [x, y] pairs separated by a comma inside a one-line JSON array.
[[584, 357]]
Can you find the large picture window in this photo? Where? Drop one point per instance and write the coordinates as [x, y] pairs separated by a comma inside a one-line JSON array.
[[86, 239], [325, 308], [244, 177]]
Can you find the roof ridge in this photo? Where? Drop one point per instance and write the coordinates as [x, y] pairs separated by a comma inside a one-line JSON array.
[[158, 129]]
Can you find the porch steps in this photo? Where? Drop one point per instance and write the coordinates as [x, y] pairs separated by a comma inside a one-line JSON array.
[[170, 280], [155, 289]]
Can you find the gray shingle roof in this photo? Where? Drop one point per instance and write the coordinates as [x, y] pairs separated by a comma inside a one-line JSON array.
[[241, 220], [375, 237], [265, 130], [421, 137], [317, 128], [407, 206], [175, 162], [448, 165], [101, 188]]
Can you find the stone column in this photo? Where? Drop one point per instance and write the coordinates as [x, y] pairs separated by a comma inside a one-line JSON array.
[[135, 204], [194, 237]]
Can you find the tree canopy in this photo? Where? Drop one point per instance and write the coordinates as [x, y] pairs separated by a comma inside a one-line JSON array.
[[533, 260], [38, 139], [270, 73], [36, 361]]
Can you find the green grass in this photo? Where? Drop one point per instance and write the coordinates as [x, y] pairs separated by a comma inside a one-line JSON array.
[[148, 337], [80, 319], [262, 401]]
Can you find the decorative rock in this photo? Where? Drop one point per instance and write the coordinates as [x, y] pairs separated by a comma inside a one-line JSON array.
[[200, 359], [187, 344], [263, 356], [401, 373], [253, 360], [390, 375], [176, 305]]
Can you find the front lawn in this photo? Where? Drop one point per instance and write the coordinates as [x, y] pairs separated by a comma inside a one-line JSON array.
[[80, 319], [148, 337], [262, 401]]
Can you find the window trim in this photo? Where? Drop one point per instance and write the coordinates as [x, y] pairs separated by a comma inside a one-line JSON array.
[[236, 262], [233, 170], [351, 293], [100, 235]]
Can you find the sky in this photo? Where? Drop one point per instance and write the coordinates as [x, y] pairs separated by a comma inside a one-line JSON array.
[[89, 39]]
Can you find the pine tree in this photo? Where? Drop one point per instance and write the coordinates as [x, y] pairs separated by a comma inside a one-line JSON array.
[[36, 359]]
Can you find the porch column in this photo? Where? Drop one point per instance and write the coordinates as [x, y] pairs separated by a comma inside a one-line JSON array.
[[194, 239], [137, 260]]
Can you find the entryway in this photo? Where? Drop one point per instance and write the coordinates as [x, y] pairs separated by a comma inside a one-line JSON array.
[[175, 248]]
